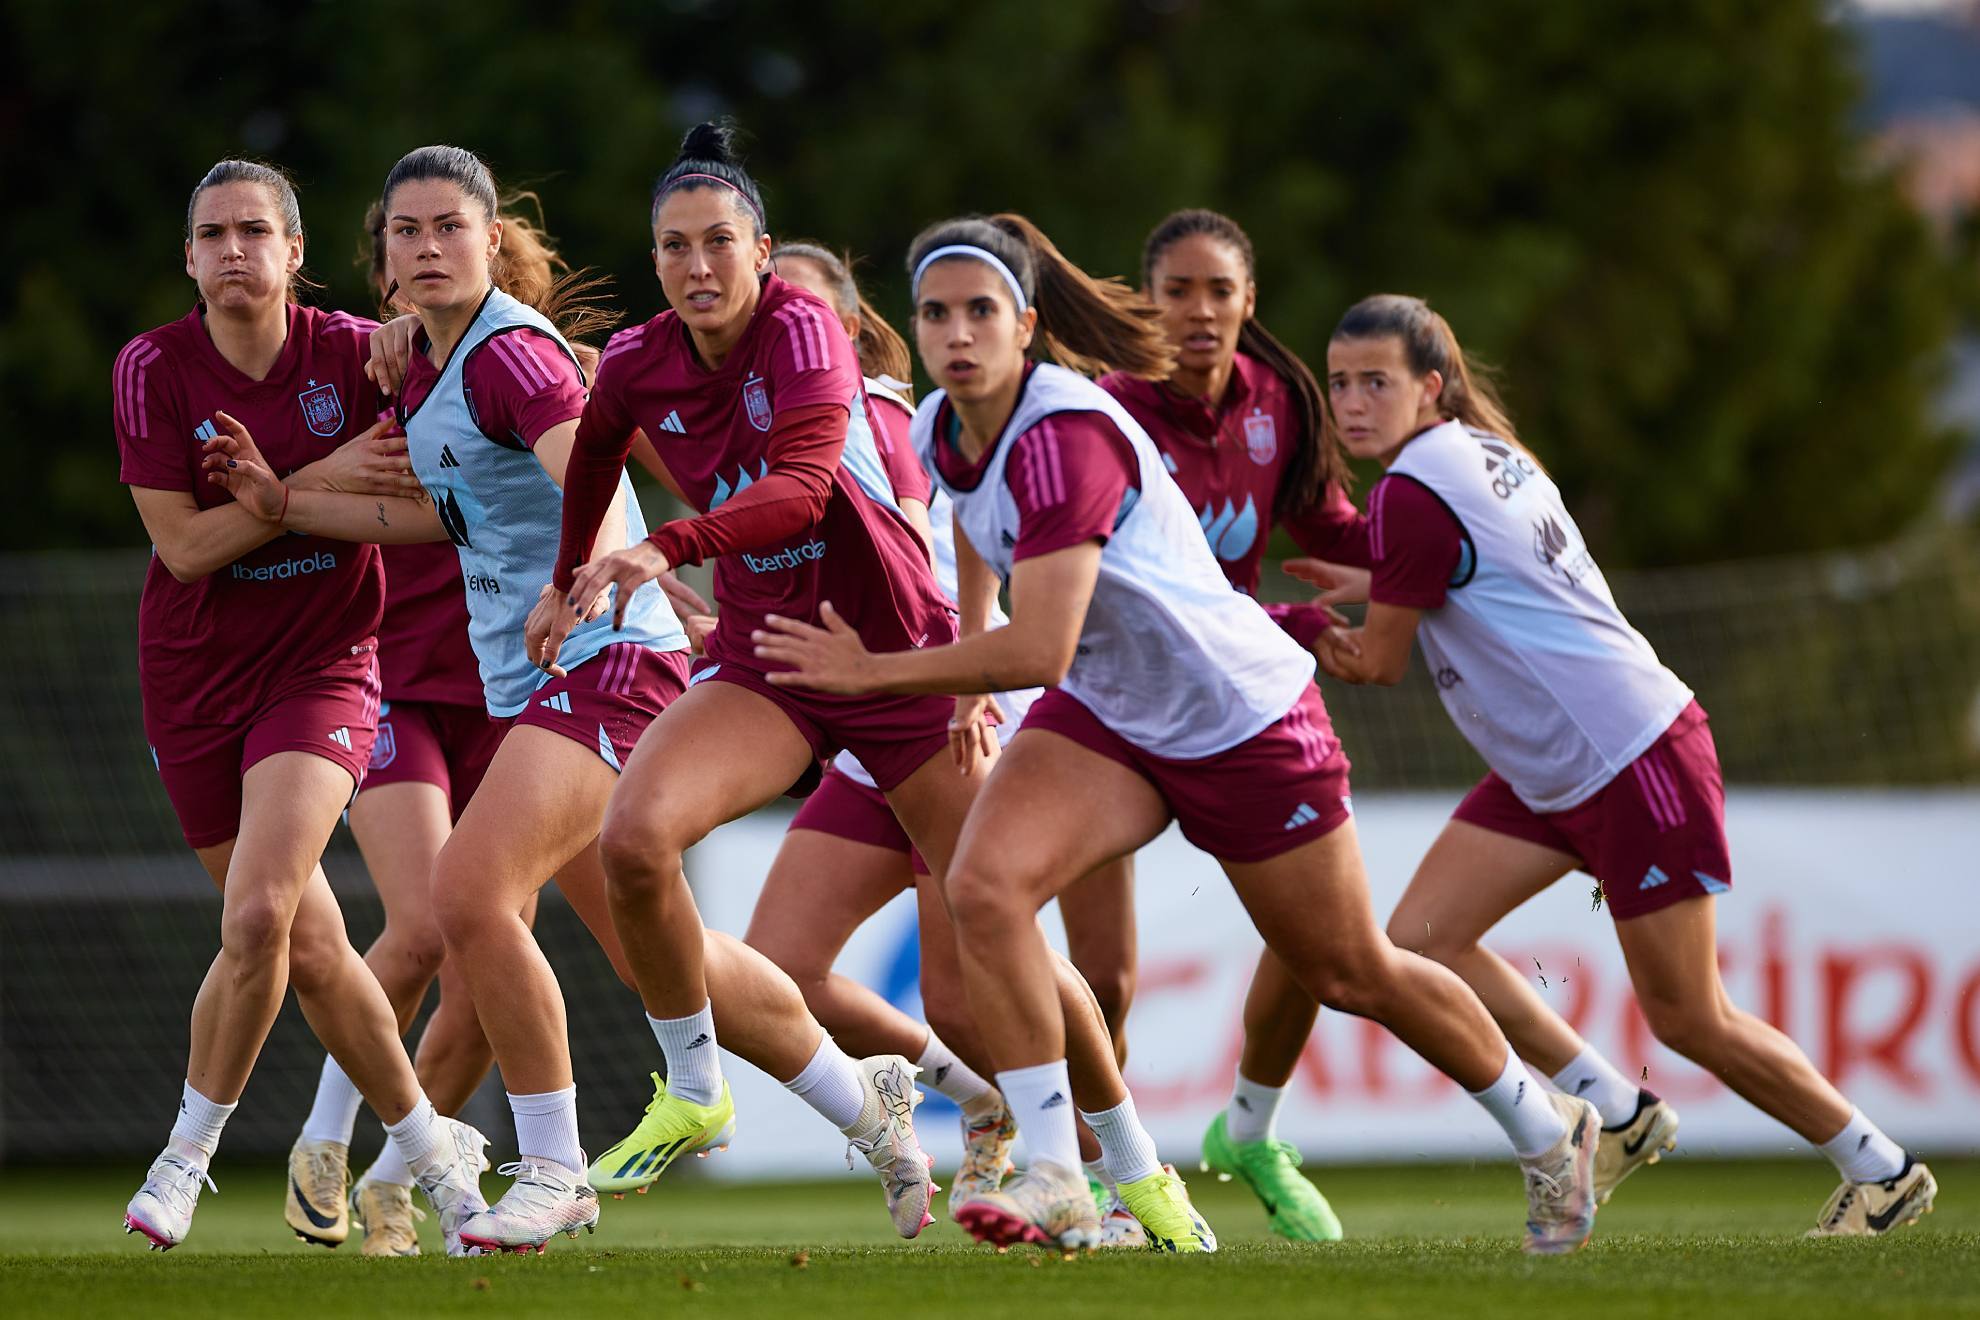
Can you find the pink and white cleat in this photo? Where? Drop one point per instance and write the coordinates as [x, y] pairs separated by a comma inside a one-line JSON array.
[[544, 1200], [884, 1133], [163, 1208]]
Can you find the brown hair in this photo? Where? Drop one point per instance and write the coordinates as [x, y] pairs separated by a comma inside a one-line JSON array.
[[271, 177], [1089, 325], [1429, 344], [1318, 459], [882, 351], [526, 267]]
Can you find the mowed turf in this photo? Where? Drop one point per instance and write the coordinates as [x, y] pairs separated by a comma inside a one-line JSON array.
[[1682, 1239]]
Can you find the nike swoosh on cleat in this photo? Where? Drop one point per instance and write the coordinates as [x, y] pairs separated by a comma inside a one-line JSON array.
[[1631, 1147], [1881, 1223], [311, 1212]]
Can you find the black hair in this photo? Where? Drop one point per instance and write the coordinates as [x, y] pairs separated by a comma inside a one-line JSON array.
[[1317, 458], [709, 151]]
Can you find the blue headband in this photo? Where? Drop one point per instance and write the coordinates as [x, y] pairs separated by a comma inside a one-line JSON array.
[[983, 255]]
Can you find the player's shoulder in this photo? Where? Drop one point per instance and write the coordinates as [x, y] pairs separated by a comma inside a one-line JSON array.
[[639, 345], [338, 331], [805, 331], [167, 342]]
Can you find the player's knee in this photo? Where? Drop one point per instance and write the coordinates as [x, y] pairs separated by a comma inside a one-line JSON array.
[[315, 959], [255, 931], [1411, 932], [1690, 1028], [1353, 980], [1113, 990], [640, 851], [982, 896], [458, 912]]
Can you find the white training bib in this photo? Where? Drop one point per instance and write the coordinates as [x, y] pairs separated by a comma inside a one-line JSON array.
[[1170, 658], [1534, 662]]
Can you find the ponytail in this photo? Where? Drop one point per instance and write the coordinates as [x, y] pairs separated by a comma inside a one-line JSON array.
[[1318, 459], [1429, 344], [1089, 325], [882, 351]]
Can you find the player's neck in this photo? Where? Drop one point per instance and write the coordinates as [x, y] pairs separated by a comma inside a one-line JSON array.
[[1208, 385], [445, 327], [984, 419], [251, 340]]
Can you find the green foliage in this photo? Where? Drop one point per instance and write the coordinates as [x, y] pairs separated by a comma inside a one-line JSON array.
[[1717, 324]]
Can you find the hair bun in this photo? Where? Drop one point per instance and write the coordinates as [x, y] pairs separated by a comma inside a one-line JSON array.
[[713, 141]]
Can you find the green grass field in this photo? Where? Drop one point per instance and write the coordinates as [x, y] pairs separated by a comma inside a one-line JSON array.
[[1682, 1239]]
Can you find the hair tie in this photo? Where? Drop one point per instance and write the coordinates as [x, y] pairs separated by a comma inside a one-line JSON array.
[[748, 201], [983, 255]]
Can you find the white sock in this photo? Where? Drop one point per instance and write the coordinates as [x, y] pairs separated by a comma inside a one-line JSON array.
[[1040, 1099], [546, 1126], [1596, 1080], [417, 1135], [1253, 1113], [694, 1066], [390, 1167], [1125, 1146], [1097, 1169], [831, 1084], [197, 1129], [1520, 1104], [1862, 1153], [942, 1070], [334, 1115]]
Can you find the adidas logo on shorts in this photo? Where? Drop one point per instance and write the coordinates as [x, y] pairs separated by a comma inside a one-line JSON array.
[[560, 702], [1653, 877], [1302, 815], [342, 737]]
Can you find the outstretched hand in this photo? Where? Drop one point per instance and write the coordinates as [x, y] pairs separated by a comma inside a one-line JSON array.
[[391, 353], [826, 659], [973, 730], [234, 463], [1339, 584], [628, 570], [374, 463]]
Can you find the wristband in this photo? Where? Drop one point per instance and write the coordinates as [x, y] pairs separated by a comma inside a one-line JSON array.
[[285, 505]]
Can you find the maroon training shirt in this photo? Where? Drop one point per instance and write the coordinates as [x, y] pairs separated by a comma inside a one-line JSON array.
[[759, 446], [216, 650]]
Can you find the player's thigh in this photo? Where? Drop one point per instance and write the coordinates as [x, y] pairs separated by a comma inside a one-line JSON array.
[[719, 751], [1311, 902], [820, 889], [581, 881], [1468, 881], [932, 804], [1098, 912], [400, 829], [539, 804], [290, 801], [1673, 960], [1051, 811]]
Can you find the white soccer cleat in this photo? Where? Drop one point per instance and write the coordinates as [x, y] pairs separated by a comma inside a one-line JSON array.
[[319, 1183], [987, 1140], [544, 1200], [1045, 1206], [1871, 1209], [1119, 1227], [1650, 1134], [884, 1133], [163, 1208], [384, 1212], [1560, 1182], [451, 1179]]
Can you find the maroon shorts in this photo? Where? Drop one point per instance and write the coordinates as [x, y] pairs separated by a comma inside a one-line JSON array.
[[844, 808], [607, 702], [332, 713], [1653, 836], [1284, 786], [892, 736], [434, 742]]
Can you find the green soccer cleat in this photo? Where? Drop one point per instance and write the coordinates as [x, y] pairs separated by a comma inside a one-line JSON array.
[[1161, 1203], [1293, 1205], [671, 1127]]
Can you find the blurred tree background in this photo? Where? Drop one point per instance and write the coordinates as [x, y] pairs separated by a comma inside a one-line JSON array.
[[1717, 321]]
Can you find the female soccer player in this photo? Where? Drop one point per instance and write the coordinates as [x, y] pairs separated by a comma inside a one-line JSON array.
[[490, 408], [1176, 697], [1600, 757], [435, 741], [1241, 425], [752, 392], [259, 679]]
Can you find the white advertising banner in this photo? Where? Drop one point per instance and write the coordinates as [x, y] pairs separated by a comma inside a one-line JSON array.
[[1853, 924]]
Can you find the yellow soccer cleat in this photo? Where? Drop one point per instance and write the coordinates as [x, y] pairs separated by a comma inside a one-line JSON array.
[[386, 1215], [1870, 1209], [1161, 1202], [1648, 1136], [319, 1183], [671, 1127]]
